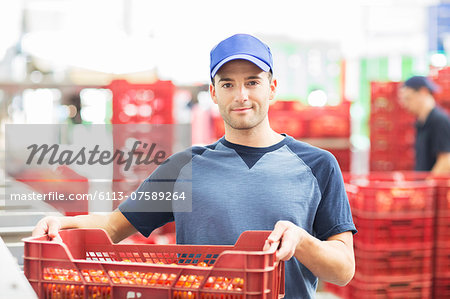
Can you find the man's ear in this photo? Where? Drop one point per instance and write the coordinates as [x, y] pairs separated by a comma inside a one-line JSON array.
[[273, 89], [212, 92]]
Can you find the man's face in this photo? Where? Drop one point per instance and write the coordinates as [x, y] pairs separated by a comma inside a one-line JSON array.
[[242, 91], [410, 99]]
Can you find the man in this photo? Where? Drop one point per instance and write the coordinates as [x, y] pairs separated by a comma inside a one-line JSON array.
[[432, 127], [251, 179]]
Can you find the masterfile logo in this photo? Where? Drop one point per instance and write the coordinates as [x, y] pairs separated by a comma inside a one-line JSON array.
[[76, 168], [54, 155]]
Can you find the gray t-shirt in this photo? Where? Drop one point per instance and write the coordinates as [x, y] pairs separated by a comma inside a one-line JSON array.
[[237, 188]]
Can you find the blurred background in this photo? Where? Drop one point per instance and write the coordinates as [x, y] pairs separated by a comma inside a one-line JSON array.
[[338, 63]]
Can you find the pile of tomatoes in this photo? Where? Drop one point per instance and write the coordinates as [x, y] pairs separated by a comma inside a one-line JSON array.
[[66, 291], [75, 291]]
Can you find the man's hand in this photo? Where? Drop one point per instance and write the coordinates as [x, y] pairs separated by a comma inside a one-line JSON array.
[[289, 235], [331, 260], [115, 224], [48, 226]]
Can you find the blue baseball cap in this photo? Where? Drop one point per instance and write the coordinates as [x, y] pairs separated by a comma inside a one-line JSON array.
[[241, 46], [417, 82]]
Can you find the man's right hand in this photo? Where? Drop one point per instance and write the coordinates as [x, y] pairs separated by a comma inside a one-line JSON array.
[[115, 224], [49, 226]]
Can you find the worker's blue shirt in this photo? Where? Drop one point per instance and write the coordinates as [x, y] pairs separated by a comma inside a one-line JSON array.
[[237, 188], [432, 139]]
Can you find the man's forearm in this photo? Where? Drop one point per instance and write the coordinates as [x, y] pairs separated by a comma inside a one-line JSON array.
[[442, 165], [83, 221], [92, 221], [329, 260]]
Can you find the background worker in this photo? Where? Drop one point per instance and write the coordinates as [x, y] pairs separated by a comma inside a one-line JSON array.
[[432, 143]]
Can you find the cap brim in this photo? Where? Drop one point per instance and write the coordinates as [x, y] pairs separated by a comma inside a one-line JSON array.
[[261, 64]]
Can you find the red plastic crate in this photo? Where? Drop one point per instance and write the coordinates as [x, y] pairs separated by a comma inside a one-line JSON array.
[[287, 106], [443, 229], [393, 288], [142, 103], [391, 160], [389, 89], [441, 288], [394, 197], [380, 264], [62, 180], [329, 121], [443, 195], [343, 156], [386, 165], [341, 292], [292, 123], [396, 232], [154, 238], [87, 264], [384, 151], [393, 176], [153, 138], [392, 140], [218, 126], [383, 104], [394, 122], [442, 260], [382, 165], [350, 189], [330, 126]]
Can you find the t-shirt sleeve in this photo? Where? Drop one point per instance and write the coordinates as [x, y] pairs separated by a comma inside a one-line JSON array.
[[333, 214], [442, 135], [139, 212]]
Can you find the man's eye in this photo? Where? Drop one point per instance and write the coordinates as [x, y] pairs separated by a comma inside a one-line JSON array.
[[252, 83], [226, 85]]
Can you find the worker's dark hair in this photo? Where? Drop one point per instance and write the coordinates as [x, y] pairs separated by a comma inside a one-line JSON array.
[[418, 82]]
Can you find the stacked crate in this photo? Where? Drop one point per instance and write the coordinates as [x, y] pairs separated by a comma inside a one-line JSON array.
[[442, 244], [392, 132], [135, 107], [442, 78], [394, 214], [394, 244]]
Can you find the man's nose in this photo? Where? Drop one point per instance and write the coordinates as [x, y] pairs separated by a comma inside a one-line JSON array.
[[242, 94]]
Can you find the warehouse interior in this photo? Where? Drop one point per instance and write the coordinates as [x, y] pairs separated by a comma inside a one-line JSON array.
[[76, 73]]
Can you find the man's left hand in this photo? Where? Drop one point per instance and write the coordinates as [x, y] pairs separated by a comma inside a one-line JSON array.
[[290, 237]]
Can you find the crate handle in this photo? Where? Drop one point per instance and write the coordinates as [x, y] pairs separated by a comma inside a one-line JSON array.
[[399, 284], [252, 240], [401, 222]]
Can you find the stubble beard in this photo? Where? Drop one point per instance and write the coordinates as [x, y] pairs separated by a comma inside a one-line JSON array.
[[243, 124]]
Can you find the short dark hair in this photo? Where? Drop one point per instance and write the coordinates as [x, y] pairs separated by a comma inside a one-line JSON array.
[[418, 82]]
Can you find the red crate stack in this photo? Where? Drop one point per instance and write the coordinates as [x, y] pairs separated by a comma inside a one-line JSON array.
[[442, 251], [329, 121], [442, 247], [413, 234], [442, 78], [289, 117], [392, 132], [142, 103], [141, 113], [343, 156], [394, 214]]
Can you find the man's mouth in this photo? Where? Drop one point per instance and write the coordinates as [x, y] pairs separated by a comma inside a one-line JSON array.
[[241, 109]]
